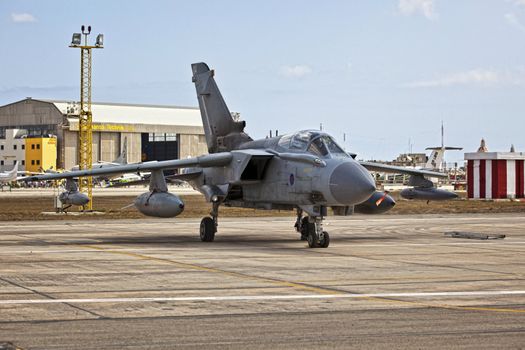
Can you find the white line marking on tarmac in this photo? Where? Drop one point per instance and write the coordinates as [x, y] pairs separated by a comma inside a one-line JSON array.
[[267, 297]]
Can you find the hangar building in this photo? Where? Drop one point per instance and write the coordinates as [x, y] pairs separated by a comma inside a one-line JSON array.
[[150, 132]]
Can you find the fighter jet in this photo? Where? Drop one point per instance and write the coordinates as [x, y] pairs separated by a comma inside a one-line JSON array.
[[306, 171]]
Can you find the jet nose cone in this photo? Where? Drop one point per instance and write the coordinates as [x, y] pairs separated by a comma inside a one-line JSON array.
[[350, 183]]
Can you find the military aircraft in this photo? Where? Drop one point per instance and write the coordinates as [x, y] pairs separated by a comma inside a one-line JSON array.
[[306, 171]]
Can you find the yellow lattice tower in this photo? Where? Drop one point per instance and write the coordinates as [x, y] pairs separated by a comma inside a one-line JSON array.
[[85, 124]]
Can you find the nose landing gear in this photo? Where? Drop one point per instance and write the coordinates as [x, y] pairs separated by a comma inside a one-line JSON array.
[[311, 229], [317, 238]]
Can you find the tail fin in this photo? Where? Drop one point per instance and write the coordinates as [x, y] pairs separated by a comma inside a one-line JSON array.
[[222, 132], [11, 174], [435, 161], [123, 156]]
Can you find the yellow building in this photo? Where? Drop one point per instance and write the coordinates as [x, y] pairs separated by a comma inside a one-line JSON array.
[[41, 153]]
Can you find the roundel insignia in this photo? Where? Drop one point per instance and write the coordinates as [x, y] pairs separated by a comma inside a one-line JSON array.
[[292, 179]]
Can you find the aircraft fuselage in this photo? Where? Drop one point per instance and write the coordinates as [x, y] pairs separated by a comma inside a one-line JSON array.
[[267, 175]]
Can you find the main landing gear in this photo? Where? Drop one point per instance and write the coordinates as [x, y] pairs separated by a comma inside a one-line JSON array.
[[209, 224], [311, 230]]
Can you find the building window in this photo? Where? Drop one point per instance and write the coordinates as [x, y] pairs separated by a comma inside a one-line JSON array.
[[23, 162], [162, 137], [23, 146], [38, 162], [32, 162], [32, 146], [2, 147], [14, 146], [38, 146], [1, 162], [171, 137], [14, 162]]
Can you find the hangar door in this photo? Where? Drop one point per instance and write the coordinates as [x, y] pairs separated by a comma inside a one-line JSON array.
[[159, 146]]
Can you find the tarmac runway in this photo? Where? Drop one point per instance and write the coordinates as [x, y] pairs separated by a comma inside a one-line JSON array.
[[385, 282]]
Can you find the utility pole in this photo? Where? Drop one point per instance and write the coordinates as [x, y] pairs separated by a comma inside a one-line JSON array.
[[85, 122]]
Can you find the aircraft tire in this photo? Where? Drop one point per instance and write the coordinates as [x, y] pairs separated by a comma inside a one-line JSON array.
[[312, 238], [304, 229], [207, 229], [326, 240]]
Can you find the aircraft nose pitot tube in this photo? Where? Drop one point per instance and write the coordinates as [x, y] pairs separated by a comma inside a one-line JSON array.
[[159, 204], [73, 198], [350, 183]]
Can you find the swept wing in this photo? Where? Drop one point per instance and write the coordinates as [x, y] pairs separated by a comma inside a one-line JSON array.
[[210, 160], [400, 170]]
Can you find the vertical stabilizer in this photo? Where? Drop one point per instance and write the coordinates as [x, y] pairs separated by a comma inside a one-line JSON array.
[[123, 156], [222, 132], [435, 161], [10, 175]]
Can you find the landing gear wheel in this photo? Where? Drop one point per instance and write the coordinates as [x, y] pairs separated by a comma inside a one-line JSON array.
[[325, 242], [207, 229], [313, 240], [304, 228]]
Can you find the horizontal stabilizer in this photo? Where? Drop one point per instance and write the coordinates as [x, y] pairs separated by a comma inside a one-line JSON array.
[[445, 148]]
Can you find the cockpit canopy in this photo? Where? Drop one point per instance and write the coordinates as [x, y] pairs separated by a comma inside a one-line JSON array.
[[315, 142]]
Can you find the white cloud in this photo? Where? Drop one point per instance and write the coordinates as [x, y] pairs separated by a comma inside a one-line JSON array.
[[425, 7], [22, 17], [519, 2], [475, 77], [295, 71], [514, 21]]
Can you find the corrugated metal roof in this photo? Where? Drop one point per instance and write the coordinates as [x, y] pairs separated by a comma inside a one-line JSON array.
[[135, 113]]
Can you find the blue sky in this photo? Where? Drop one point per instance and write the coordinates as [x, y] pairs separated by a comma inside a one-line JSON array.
[[383, 71]]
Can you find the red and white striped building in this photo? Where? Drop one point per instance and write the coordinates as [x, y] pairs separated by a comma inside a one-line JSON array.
[[492, 175]]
